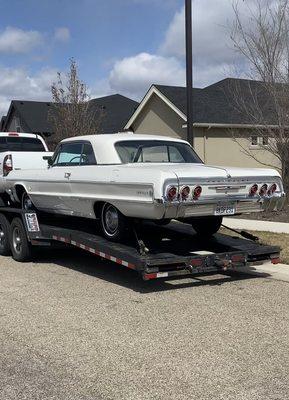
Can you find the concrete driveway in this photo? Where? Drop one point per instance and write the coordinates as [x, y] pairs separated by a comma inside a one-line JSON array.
[[74, 327]]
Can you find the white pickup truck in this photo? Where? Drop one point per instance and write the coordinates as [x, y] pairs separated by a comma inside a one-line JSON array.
[[21, 151]]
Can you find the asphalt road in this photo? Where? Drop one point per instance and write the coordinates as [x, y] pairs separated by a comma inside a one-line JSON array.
[[74, 327]]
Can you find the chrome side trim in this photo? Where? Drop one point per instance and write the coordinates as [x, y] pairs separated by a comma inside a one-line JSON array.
[[94, 198]]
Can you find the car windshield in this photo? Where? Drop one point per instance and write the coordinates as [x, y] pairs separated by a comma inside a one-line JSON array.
[[155, 151], [18, 143]]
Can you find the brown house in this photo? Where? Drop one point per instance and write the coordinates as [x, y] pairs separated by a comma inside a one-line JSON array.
[[163, 111]]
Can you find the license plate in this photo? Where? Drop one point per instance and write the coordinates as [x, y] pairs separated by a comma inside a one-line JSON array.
[[225, 209]]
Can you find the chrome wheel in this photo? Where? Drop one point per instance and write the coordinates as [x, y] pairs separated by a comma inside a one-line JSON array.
[[27, 202], [110, 219], [16, 240]]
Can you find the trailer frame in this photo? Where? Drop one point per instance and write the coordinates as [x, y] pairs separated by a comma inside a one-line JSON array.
[[154, 252]]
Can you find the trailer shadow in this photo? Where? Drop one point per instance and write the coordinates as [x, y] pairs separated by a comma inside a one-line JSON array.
[[82, 262]]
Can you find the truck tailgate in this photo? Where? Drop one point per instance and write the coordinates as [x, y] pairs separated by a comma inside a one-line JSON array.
[[26, 160]]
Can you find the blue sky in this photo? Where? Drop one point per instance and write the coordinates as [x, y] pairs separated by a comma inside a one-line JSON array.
[[100, 31], [120, 45]]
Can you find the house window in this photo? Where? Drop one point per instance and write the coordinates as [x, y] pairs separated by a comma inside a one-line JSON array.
[[264, 140], [254, 140]]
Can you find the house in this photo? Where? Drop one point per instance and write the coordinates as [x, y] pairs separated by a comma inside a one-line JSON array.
[[33, 116], [222, 132]]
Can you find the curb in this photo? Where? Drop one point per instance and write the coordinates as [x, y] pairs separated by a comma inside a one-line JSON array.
[[256, 225]]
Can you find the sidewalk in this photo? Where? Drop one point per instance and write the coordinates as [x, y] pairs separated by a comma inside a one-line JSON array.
[[279, 272], [255, 225]]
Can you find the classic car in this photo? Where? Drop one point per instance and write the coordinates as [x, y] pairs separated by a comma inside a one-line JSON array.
[[118, 178]]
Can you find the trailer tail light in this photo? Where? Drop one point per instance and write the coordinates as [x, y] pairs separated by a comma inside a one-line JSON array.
[[276, 260], [238, 258], [185, 192], [263, 190], [272, 189], [253, 190], [171, 193], [7, 165], [197, 192]]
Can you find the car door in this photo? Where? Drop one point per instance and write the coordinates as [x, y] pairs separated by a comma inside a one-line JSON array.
[[54, 184], [82, 182]]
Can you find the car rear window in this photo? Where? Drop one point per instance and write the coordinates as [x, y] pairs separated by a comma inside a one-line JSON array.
[[18, 143], [155, 151]]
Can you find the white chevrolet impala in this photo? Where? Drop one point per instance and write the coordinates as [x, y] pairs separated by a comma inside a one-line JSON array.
[[120, 177]]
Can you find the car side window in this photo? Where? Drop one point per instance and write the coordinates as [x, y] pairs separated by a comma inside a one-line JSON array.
[[69, 154], [87, 156]]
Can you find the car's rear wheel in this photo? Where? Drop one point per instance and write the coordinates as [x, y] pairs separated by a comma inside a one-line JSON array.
[[113, 223], [207, 226], [26, 202]]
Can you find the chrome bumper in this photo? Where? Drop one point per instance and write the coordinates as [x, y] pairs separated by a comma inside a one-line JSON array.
[[198, 209]]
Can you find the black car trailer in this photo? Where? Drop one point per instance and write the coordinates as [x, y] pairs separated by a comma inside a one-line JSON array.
[[153, 251]]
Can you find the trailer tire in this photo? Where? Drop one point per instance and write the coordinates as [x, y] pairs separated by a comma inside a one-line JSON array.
[[207, 226], [20, 246], [4, 236]]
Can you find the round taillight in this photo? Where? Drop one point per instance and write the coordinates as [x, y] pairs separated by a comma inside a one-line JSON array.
[[197, 192], [185, 191], [171, 193], [253, 190], [272, 189], [263, 190]]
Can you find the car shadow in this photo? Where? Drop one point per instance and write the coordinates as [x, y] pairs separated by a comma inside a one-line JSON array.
[[82, 262]]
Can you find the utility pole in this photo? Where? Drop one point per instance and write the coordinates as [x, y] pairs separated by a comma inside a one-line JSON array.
[[189, 70]]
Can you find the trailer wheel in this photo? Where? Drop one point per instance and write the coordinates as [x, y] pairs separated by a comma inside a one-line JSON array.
[[20, 246], [113, 223], [4, 236], [207, 226]]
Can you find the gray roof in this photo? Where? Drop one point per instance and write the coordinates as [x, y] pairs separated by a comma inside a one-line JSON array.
[[218, 103], [117, 109]]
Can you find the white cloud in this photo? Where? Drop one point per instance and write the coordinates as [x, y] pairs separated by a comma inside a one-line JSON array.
[[18, 84], [133, 75], [213, 53], [174, 42], [62, 34], [15, 40]]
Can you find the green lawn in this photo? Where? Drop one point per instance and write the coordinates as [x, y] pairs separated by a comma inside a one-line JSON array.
[[269, 238]]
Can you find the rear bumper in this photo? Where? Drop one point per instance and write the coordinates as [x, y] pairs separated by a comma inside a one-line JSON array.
[[198, 209]]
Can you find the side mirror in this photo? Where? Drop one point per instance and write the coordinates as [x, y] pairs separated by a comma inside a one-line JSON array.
[[48, 159]]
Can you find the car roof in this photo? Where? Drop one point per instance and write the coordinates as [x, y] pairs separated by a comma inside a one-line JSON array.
[[116, 137]]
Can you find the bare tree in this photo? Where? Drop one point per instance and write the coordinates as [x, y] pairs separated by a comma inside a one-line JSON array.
[[72, 113], [263, 40]]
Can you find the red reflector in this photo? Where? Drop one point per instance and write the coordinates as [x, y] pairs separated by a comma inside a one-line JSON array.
[[13, 134], [147, 277], [253, 190], [263, 190], [275, 260], [196, 262], [185, 191], [238, 258], [171, 193], [7, 164], [197, 192], [272, 189]]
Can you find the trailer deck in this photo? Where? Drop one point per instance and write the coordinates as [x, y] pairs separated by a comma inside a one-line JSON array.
[[153, 251]]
